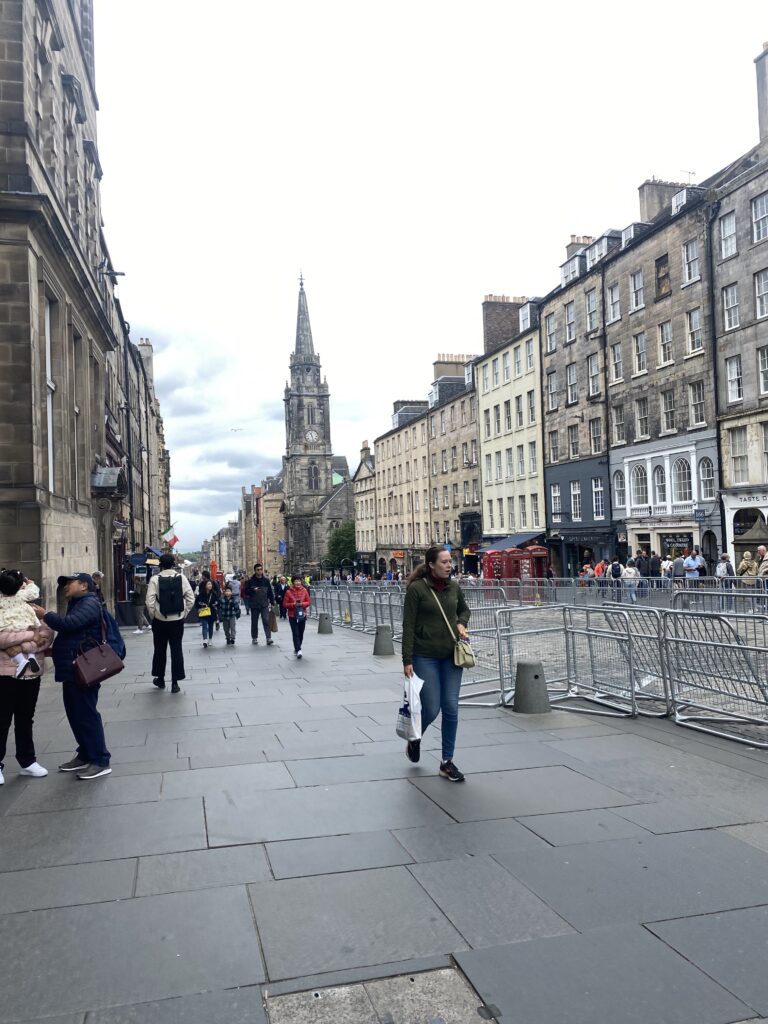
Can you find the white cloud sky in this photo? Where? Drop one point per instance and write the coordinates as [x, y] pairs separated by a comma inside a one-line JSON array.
[[409, 158]]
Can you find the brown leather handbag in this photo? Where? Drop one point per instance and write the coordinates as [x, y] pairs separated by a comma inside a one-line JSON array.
[[95, 664]]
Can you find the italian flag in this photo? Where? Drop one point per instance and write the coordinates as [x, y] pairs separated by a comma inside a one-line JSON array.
[[170, 537]]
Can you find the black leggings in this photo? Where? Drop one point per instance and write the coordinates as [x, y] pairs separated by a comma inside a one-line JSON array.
[[297, 628]]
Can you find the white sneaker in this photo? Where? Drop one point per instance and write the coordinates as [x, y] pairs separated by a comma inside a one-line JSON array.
[[35, 770], [2, 780], [138, 632]]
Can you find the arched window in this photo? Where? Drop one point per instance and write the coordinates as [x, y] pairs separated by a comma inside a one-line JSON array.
[[313, 478], [659, 486], [639, 485], [681, 480], [619, 489], [706, 480]]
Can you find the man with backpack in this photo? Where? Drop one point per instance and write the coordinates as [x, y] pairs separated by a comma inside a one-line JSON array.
[[169, 601]]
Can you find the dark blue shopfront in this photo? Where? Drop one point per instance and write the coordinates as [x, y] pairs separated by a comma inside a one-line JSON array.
[[579, 527]]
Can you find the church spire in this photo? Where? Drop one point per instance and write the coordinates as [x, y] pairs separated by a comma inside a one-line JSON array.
[[304, 347]]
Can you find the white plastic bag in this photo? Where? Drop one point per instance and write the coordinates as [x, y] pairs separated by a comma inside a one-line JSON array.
[[408, 725]]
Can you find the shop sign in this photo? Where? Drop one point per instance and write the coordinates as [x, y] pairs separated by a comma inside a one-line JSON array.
[[398, 554], [676, 541]]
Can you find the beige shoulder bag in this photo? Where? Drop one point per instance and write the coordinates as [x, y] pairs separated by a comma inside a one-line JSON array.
[[462, 650]]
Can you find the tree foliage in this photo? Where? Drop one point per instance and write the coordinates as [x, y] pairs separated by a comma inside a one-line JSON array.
[[341, 544]]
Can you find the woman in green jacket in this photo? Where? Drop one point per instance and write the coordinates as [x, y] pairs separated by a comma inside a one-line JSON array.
[[428, 649]]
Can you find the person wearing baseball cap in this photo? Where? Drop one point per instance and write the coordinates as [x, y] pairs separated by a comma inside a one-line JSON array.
[[81, 622]]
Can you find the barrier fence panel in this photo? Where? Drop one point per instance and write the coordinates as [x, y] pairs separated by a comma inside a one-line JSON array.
[[717, 667], [529, 633]]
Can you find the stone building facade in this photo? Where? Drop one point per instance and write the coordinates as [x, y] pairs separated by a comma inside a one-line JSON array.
[[507, 379], [364, 488], [427, 471], [272, 526], [73, 494], [739, 259], [317, 489], [250, 527]]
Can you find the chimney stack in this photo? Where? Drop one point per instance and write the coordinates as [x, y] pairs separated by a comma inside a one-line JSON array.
[[761, 67]]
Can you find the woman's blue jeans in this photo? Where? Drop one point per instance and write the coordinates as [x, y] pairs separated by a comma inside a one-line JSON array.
[[440, 693], [207, 625]]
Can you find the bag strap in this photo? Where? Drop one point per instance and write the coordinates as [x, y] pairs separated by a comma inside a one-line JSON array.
[[442, 612]]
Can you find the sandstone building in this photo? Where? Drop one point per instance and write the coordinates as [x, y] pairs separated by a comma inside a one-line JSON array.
[[83, 467]]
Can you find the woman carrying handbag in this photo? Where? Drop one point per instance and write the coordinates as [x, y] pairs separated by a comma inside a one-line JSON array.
[[435, 620], [207, 604]]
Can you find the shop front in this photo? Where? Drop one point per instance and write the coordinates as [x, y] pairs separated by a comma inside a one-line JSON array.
[[570, 549], [746, 519]]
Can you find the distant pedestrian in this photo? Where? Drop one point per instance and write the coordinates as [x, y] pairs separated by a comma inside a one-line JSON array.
[[747, 568], [229, 613], [234, 586], [98, 580], [169, 601], [81, 623], [630, 577], [280, 589], [138, 603], [261, 597], [615, 575], [207, 605], [428, 647], [296, 601]]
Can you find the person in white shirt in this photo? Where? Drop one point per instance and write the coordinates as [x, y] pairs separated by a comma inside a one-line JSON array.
[[169, 601]]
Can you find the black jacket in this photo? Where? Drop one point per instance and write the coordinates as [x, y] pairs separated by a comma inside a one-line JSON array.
[[81, 622], [279, 591], [255, 590]]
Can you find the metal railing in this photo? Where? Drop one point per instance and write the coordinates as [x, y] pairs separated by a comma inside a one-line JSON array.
[[706, 666]]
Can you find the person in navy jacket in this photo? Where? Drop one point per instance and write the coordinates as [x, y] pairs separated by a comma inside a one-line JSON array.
[[80, 623]]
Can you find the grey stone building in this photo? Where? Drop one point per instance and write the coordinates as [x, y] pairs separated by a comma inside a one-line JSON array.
[[79, 423], [364, 487], [317, 488], [738, 251]]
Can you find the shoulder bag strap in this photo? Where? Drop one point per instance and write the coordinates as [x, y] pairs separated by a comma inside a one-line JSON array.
[[442, 612]]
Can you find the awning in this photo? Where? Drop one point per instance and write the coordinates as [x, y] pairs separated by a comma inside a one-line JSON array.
[[502, 543], [153, 551]]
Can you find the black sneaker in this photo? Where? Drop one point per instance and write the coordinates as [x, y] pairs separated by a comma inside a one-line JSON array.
[[449, 771], [33, 666], [73, 765], [270, 642], [413, 750], [159, 683], [175, 688], [254, 641]]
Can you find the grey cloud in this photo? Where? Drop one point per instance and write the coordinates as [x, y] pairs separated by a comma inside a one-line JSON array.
[[208, 504]]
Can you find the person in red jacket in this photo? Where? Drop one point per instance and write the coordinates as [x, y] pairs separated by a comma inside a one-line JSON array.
[[296, 602]]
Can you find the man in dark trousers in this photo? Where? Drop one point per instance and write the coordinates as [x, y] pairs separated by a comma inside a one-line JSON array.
[[80, 623], [169, 601], [260, 595]]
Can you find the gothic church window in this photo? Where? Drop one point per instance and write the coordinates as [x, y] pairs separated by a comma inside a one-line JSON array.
[[310, 414], [313, 478]]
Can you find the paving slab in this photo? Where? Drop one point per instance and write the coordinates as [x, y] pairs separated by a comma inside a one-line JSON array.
[[646, 879], [731, 948], [756, 835], [504, 756], [430, 996], [141, 946], [201, 869], [235, 1006], [317, 811], [445, 842], [509, 794], [102, 833], [331, 771], [484, 904], [63, 791], [607, 976], [232, 779], [686, 814], [69, 885], [331, 922], [572, 827], [349, 1004], [331, 854]]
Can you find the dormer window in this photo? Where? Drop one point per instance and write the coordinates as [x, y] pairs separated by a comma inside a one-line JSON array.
[[525, 317], [596, 252], [679, 199], [627, 235], [571, 270]]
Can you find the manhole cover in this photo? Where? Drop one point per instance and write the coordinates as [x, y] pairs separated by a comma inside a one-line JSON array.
[[433, 997]]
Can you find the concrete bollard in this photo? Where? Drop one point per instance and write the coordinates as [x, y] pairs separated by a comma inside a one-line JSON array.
[[324, 624], [531, 697], [383, 641]]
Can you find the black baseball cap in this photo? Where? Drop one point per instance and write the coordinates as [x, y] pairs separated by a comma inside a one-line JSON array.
[[84, 577]]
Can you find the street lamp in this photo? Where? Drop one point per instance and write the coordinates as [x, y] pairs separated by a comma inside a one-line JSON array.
[[325, 565]]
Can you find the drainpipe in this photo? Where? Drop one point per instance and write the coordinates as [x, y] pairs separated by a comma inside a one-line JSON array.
[[126, 409]]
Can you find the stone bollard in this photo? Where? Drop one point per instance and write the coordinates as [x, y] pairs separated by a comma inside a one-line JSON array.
[[383, 642], [531, 697], [324, 624]]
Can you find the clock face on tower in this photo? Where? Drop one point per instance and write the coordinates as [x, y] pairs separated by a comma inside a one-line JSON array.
[[312, 436]]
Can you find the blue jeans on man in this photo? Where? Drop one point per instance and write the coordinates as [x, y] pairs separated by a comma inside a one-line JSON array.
[[85, 723], [440, 694]]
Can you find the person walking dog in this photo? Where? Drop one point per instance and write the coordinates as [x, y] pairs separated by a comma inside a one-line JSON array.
[[169, 601], [428, 649]]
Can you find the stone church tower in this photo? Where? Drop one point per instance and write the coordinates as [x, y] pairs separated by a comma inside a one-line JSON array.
[[318, 494]]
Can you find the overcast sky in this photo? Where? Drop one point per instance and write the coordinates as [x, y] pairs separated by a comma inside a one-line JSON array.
[[408, 157]]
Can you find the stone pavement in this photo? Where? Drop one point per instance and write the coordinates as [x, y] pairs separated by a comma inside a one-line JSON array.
[[264, 851]]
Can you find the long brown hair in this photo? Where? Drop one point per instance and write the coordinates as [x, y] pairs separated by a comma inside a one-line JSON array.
[[429, 559]]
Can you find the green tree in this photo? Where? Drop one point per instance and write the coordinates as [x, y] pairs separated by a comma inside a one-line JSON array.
[[341, 544]]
